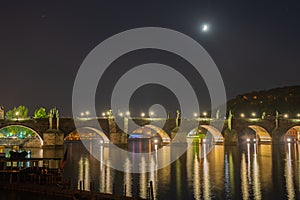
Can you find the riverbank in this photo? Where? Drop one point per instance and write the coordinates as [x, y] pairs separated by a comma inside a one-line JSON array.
[[57, 192]]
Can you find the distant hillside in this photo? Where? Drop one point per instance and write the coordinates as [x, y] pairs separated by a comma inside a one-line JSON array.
[[283, 100]]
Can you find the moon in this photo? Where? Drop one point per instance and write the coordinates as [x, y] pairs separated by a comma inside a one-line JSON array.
[[205, 28]]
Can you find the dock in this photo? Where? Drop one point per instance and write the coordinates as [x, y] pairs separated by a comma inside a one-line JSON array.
[[53, 191], [43, 176]]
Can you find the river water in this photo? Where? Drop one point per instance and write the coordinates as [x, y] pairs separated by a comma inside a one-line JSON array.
[[247, 171]]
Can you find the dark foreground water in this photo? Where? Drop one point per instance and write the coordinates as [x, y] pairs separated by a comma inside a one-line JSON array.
[[247, 171]]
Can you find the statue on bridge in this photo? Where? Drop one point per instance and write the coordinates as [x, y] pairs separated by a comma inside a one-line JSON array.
[[230, 115], [53, 113], [177, 117]]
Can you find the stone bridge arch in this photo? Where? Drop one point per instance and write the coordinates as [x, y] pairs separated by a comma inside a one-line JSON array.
[[98, 133], [164, 136], [291, 134], [215, 133], [260, 133], [33, 130]]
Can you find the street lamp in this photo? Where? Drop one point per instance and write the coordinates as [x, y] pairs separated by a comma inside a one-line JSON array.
[[127, 113], [151, 113], [204, 114], [142, 114], [285, 115], [121, 114], [17, 114], [82, 114], [103, 114], [253, 114], [242, 115], [195, 114], [87, 112]]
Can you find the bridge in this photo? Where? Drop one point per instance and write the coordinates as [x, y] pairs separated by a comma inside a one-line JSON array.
[[53, 132]]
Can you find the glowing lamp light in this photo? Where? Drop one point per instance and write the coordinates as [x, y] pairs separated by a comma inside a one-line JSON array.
[[205, 114], [298, 115], [254, 140], [121, 114], [82, 114], [87, 112], [253, 114], [151, 113], [204, 140], [155, 141], [127, 113], [242, 115], [103, 114], [195, 114], [142, 114], [285, 115], [288, 139], [248, 140]]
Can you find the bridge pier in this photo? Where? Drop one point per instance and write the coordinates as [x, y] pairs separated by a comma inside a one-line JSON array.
[[118, 138], [230, 137], [53, 138]]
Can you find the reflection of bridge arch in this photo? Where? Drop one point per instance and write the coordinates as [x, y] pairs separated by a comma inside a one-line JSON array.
[[98, 132], [26, 127], [262, 133], [164, 136], [216, 134]]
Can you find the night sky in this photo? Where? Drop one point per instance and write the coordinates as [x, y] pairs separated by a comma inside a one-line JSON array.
[[255, 45]]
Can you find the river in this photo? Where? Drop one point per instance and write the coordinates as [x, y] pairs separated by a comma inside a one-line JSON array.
[[247, 171]]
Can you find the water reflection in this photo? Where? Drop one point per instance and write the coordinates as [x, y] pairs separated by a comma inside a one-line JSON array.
[[250, 173], [256, 175], [288, 173], [84, 173], [247, 171]]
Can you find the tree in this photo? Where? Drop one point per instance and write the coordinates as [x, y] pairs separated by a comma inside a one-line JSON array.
[[40, 113], [20, 112]]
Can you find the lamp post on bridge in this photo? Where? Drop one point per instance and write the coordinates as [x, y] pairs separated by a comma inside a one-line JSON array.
[[17, 114]]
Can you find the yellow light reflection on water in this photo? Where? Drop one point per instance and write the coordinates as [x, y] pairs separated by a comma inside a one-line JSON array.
[[206, 176], [288, 173], [143, 178], [196, 178], [244, 179], [178, 178], [128, 178], [84, 173], [109, 183], [265, 164], [256, 175]]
